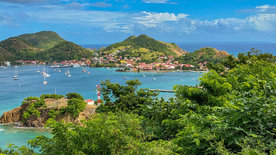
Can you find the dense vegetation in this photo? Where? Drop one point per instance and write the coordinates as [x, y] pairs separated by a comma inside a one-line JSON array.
[[75, 105], [229, 112], [45, 45], [143, 46], [202, 55]]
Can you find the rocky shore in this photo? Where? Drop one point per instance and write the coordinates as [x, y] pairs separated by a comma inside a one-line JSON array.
[[15, 116]]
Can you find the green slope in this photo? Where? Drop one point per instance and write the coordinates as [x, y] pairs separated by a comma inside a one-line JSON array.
[[206, 54], [43, 39], [44, 45], [66, 51], [143, 46]]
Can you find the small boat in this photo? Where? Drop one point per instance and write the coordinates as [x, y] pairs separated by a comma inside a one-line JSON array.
[[84, 70], [154, 79], [45, 82], [181, 79], [88, 73], [59, 71], [69, 75], [55, 66], [15, 77], [45, 74], [144, 75], [125, 77], [38, 71], [76, 65]]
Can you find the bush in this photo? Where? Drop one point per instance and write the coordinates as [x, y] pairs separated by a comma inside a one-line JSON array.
[[74, 95], [54, 96], [75, 106]]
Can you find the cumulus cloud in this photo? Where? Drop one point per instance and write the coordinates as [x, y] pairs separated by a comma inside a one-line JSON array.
[[263, 22], [131, 23], [151, 19]]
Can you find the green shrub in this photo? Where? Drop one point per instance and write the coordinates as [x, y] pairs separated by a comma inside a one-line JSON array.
[[54, 96], [75, 106], [74, 95]]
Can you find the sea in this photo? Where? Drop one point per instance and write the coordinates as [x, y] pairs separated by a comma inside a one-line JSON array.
[[30, 83]]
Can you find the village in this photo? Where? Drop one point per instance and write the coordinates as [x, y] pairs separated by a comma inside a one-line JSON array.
[[130, 64]]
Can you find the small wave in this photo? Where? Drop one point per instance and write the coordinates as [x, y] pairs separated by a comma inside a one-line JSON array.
[[1, 130]]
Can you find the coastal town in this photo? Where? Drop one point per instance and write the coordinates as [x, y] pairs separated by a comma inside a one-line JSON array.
[[131, 64]]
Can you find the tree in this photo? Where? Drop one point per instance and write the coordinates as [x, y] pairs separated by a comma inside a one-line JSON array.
[[74, 96], [75, 106]]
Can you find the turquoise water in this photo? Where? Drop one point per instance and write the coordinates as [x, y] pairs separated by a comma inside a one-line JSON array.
[[12, 92]]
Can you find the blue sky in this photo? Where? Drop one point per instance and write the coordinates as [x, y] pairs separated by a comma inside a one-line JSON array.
[[109, 21]]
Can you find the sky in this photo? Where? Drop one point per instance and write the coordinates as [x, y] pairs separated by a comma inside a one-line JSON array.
[[110, 21]]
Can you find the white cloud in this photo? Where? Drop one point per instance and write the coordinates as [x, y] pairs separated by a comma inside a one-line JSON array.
[[156, 1], [73, 15], [263, 22], [266, 9], [150, 19]]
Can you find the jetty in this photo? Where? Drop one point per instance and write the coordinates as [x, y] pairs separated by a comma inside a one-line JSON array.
[[160, 90]]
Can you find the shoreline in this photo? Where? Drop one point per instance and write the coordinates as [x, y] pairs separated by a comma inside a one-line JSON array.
[[163, 71]]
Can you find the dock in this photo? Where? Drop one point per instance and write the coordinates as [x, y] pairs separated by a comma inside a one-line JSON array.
[[160, 90]]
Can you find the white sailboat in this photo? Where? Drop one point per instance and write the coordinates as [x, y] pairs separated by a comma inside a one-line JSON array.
[[45, 82], [44, 73], [68, 73], [154, 79], [15, 77]]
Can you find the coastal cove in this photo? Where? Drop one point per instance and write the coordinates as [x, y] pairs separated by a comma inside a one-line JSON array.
[[30, 83]]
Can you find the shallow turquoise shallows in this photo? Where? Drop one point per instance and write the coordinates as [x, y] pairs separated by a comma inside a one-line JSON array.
[[30, 83]]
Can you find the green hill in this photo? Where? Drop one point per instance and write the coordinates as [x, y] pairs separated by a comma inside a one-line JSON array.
[[206, 54], [43, 39], [44, 45], [143, 46], [66, 51]]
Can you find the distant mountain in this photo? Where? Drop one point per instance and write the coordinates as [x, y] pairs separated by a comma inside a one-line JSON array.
[[44, 45], [143, 46]]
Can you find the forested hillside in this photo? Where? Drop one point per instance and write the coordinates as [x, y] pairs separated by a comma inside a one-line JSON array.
[[145, 47], [44, 45]]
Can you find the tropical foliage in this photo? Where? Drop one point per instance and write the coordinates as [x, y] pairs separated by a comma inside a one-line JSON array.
[[230, 112]]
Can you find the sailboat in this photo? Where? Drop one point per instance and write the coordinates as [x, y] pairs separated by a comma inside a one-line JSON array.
[[45, 82], [44, 73], [125, 77], [144, 75], [68, 73], [154, 79], [15, 77], [84, 70]]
